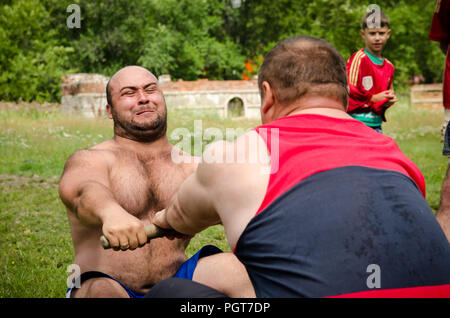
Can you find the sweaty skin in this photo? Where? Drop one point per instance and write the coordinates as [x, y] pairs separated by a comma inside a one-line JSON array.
[[141, 186], [116, 187]]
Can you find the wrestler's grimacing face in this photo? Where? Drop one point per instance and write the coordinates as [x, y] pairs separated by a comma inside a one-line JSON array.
[[139, 109]]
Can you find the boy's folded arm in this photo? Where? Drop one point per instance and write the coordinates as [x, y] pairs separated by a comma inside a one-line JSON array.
[[378, 107], [360, 100]]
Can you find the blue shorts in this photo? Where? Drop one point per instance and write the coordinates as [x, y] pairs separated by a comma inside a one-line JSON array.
[[95, 274], [186, 271]]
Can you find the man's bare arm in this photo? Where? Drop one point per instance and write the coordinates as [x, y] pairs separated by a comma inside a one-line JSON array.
[[84, 188], [192, 208], [222, 191]]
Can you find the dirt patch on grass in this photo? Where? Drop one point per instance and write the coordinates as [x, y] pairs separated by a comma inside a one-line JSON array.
[[7, 180], [33, 106]]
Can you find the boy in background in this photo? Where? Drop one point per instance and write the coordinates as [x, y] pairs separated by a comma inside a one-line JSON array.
[[370, 75], [440, 32]]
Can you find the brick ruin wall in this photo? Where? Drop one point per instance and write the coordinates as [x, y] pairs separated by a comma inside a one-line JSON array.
[[427, 96], [85, 94]]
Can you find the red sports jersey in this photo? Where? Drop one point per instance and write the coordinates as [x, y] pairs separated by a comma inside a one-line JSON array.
[[440, 32], [366, 79], [308, 144]]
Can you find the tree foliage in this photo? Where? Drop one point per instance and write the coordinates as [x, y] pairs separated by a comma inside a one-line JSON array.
[[191, 39], [32, 60]]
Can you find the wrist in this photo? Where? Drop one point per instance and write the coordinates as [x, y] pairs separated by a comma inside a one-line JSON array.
[[108, 210]]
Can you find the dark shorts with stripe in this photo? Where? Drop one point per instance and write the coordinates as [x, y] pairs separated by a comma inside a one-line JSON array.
[[185, 272], [446, 149]]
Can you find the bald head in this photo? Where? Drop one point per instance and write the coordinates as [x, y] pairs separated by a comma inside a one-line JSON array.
[[136, 105], [120, 79], [304, 65]]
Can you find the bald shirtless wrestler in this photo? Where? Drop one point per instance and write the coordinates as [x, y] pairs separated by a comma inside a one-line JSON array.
[[116, 187]]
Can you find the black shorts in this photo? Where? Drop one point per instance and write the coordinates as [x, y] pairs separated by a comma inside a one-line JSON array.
[[182, 288], [446, 149]]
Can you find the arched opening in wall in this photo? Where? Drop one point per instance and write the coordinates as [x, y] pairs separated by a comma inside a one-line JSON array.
[[235, 107]]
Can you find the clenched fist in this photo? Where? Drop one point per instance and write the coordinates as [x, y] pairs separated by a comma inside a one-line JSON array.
[[123, 230]]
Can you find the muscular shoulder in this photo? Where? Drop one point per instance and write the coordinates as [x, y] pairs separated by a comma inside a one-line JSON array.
[[104, 153], [83, 166], [88, 164], [225, 160], [89, 157]]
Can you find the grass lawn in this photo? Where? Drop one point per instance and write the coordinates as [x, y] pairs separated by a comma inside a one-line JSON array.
[[35, 141]]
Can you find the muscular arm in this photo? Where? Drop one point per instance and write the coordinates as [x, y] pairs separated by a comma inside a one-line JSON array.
[[85, 190], [191, 209], [84, 187], [228, 189]]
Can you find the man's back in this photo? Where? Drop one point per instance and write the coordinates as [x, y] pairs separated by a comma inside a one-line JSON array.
[[345, 197]]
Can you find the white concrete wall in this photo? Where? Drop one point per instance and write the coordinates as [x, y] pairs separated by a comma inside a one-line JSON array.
[[85, 94], [214, 100]]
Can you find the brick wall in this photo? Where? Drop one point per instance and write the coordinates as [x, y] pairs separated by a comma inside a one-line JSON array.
[[85, 94], [427, 96]]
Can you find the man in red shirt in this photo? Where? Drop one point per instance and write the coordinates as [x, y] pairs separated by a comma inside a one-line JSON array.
[[371, 75], [440, 32], [313, 198]]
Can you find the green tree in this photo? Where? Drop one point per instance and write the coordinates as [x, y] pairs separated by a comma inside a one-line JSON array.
[[32, 60], [192, 39], [176, 37], [261, 24]]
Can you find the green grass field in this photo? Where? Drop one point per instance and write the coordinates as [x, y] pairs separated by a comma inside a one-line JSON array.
[[35, 141]]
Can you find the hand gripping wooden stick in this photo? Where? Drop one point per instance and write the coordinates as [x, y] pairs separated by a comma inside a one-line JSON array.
[[152, 231]]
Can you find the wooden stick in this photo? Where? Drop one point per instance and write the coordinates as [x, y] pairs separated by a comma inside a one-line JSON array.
[[151, 230]]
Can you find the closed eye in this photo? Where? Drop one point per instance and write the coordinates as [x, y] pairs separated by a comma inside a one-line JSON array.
[[150, 87]]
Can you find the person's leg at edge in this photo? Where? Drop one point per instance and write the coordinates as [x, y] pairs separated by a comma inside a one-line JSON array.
[[225, 273], [176, 287], [445, 122], [443, 214], [215, 276]]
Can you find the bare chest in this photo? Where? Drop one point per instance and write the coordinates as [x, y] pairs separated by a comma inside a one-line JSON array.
[[143, 186]]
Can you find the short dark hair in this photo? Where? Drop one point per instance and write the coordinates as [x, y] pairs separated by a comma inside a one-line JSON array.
[[108, 93], [384, 20], [304, 65]]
